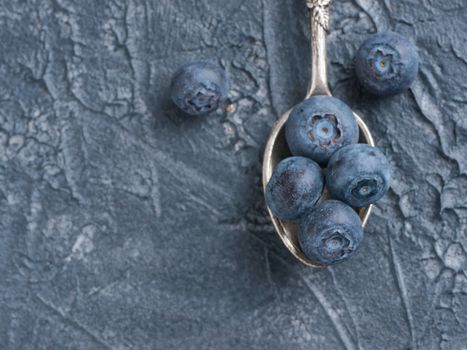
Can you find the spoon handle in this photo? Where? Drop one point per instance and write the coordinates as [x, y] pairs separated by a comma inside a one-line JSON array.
[[319, 23]]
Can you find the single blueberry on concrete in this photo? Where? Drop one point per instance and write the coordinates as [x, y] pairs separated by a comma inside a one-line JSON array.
[[386, 64], [358, 175], [199, 88], [330, 233], [319, 126], [294, 187]]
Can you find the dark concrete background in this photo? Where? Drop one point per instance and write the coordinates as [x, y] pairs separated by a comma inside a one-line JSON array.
[[127, 225]]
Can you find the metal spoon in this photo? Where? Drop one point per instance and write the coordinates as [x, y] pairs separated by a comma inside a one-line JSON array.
[[276, 147]]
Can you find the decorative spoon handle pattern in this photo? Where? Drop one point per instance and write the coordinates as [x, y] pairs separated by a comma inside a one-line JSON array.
[[319, 25], [320, 11]]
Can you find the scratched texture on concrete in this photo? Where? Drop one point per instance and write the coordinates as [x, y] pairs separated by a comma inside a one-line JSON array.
[[126, 225]]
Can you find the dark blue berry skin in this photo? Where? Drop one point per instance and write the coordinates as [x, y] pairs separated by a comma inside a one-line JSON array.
[[386, 64], [330, 233], [199, 88], [358, 175], [319, 126], [294, 187]]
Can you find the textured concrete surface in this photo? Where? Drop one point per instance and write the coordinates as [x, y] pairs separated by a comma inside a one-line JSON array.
[[126, 225]]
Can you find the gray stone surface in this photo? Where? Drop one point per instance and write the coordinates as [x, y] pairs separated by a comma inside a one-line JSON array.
[[126, 225]]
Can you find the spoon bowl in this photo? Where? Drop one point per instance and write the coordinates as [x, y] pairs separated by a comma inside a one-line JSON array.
[[276, 150], [276, 147]]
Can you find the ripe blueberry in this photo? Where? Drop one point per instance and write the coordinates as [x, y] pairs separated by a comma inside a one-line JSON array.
[[358, 175], [386, 64], [319, 126], [294, 187], [199, 88], [331, 233]]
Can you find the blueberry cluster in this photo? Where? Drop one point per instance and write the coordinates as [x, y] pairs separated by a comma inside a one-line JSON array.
[[323, 132], [322, 135]]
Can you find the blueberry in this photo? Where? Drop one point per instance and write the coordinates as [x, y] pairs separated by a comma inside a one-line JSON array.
[[358, 175], [331, 233], [294, 187], [319, 126], [199, 87], [386, 64]]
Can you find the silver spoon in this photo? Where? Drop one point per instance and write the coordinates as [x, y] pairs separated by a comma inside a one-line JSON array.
[[276, 147]]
